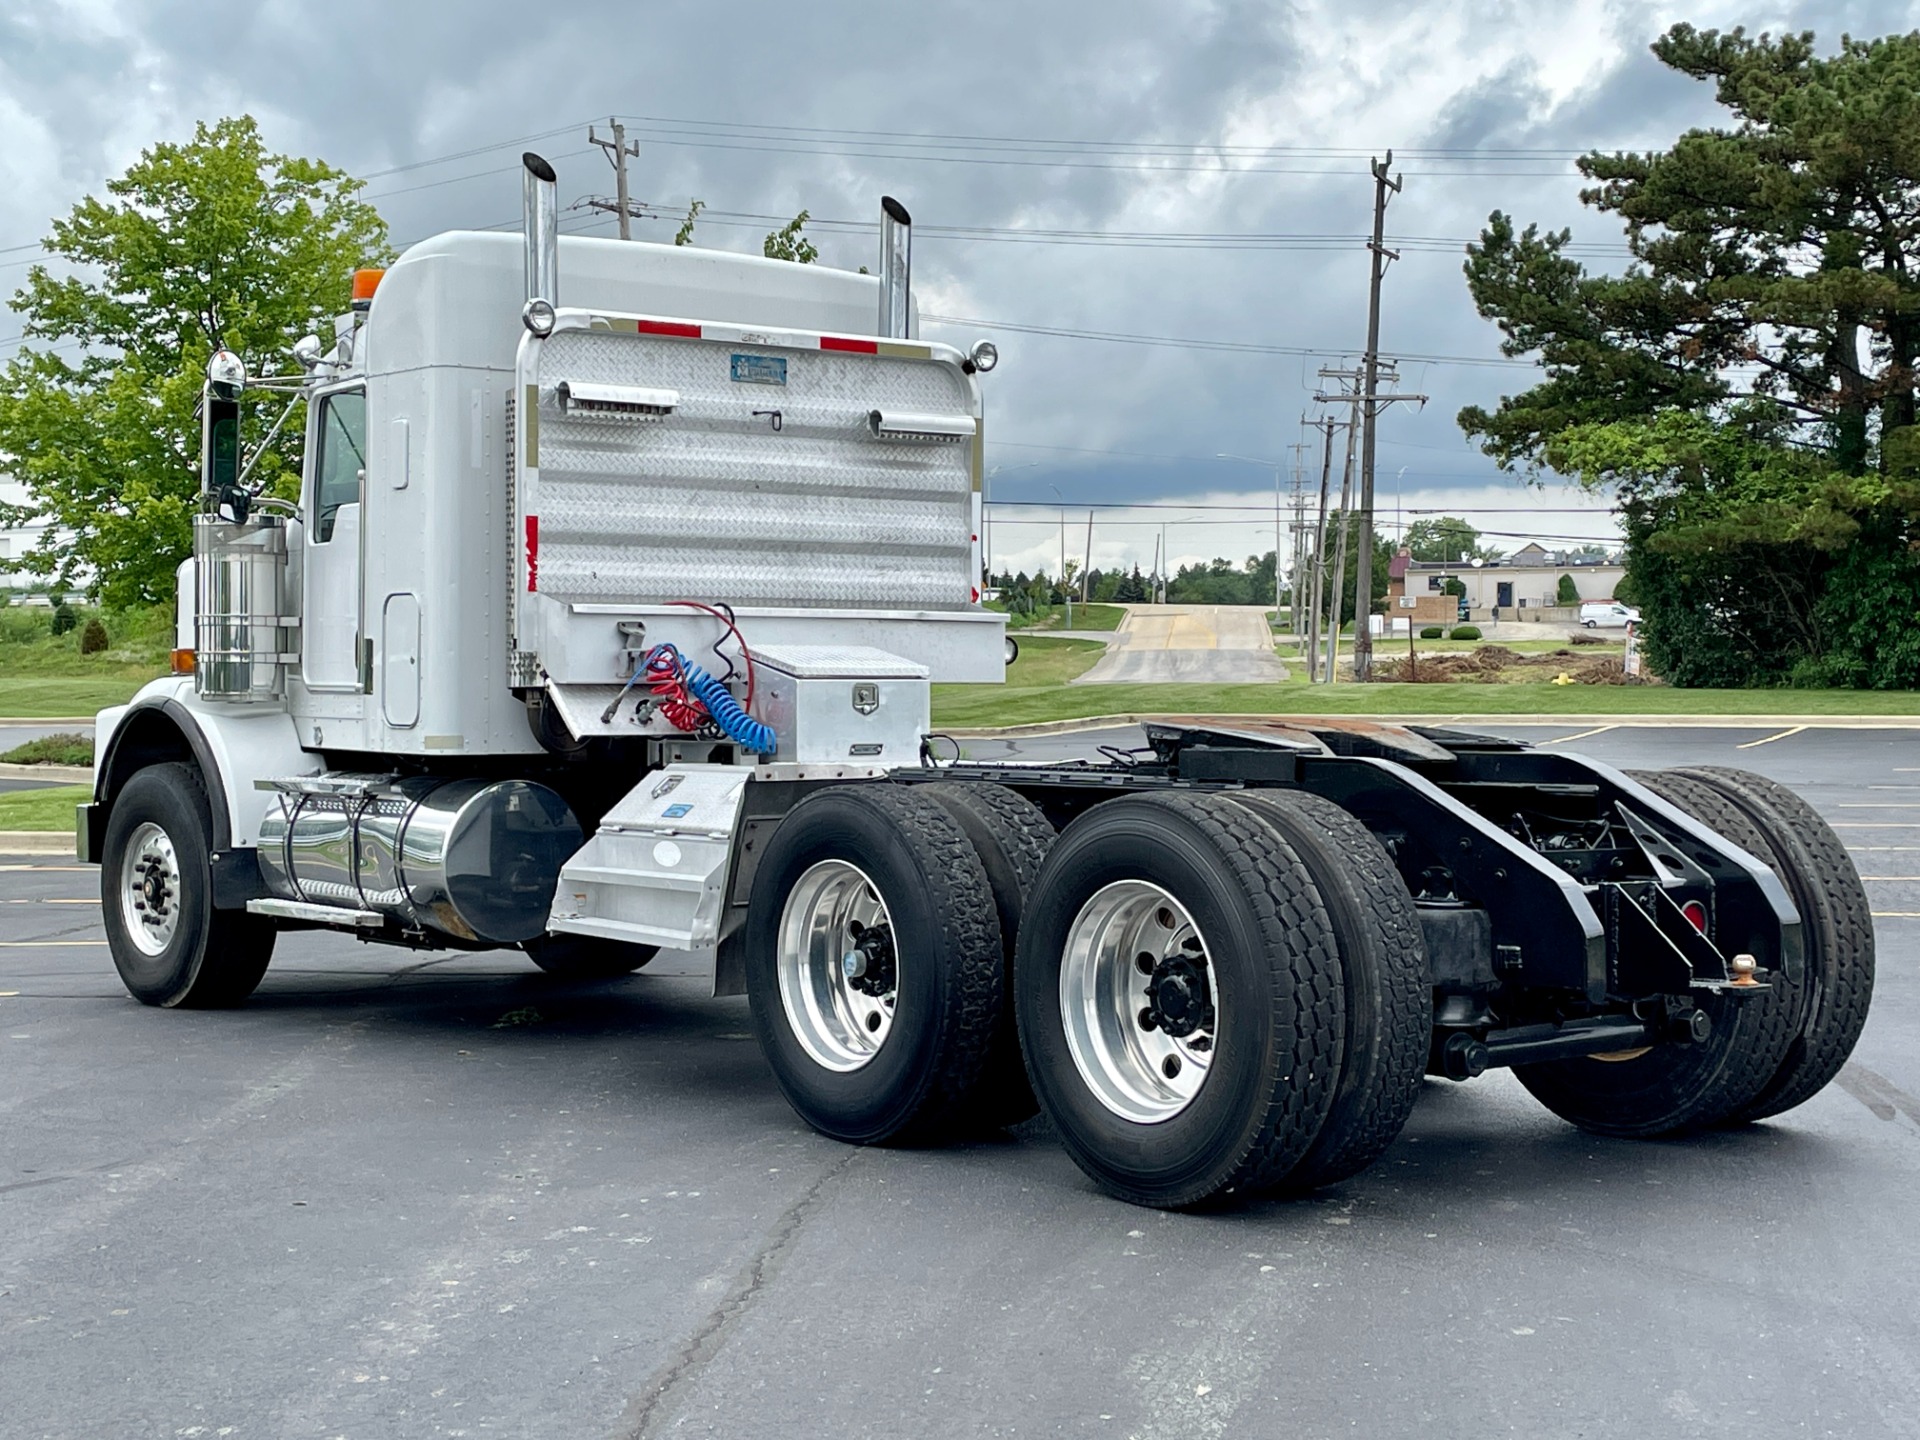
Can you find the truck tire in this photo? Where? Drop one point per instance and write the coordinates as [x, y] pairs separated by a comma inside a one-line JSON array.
[[1678, 1089], [1011, 835], [882, 877], [1837, 922], [586, 957], [1208, 1071], [171, 947], [1389, 989]]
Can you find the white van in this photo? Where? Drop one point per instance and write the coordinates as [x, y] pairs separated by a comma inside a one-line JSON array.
[[1595, 613]]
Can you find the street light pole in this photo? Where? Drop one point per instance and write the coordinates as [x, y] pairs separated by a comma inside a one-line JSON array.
[[986, 511]]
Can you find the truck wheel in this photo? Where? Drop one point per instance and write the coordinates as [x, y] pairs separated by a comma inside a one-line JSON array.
[[1180, 999], [169, 944], [587, 957], [874, 967], [1837, 925], [1011, 836], [1389, 990], [1679, 1088]]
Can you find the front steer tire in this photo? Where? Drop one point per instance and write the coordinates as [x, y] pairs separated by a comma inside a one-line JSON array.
[[896, 1054], [1264, 969], [171, 947]]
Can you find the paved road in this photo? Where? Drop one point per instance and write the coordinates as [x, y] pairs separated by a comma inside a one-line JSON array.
[[412, 1195], [1200, 644]]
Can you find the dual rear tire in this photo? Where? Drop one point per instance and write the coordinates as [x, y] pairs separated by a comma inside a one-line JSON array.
[[1765, 1053], [1213, 996]]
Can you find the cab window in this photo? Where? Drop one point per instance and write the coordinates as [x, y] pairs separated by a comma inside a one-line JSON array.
[[342, 458]]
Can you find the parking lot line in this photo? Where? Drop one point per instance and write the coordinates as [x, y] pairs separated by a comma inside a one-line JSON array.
[[1582, 735], [46, 944], [1769, 739]]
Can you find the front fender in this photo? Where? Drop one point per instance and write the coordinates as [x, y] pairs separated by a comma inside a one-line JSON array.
[[233, 745]]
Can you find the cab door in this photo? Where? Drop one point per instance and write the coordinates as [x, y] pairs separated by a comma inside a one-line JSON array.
[[331, 619]]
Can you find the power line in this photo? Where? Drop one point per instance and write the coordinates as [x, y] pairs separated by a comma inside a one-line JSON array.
[[1190, 343]]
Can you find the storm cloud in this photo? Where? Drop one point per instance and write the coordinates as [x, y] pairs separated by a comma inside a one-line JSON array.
[[1123, 120]]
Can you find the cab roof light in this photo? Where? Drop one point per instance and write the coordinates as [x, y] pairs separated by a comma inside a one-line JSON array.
[[365, 282]]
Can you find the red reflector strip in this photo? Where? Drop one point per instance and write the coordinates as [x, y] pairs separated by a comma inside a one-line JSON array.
[[669, 327], [533, 552], [1696, 914], [858, 347]]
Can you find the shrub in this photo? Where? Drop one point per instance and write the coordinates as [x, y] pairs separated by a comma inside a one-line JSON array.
[[1569, 592], [63, 618], [93, 637], [1431, 632], [64, 749], [1465, 632]]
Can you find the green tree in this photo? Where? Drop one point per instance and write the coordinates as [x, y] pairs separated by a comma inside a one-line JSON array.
[[1382, 557], [1747, 387], [208, 244], [1568, 593], [1447, 539], [788, 243]]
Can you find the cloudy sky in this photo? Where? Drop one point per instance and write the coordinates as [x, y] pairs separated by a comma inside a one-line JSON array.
[[1167, 170]]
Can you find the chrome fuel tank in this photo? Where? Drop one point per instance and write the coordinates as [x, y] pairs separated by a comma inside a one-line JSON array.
[[473, 858]]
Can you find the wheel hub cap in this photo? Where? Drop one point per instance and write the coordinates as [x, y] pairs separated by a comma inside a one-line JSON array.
[[1139, 1001], [150, 889], [836, 965]]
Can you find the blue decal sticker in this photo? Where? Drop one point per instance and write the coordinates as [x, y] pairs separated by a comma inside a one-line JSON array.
[[674, 812], [759, 370]]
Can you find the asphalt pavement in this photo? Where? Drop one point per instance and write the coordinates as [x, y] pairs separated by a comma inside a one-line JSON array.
[[413, 1195], [1189, 644]]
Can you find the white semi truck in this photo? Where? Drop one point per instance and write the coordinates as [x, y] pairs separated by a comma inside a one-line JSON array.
[[605, 622]]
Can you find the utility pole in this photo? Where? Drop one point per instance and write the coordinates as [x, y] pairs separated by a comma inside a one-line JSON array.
[[617, 151], [1086, 566], [1295, 536], [1317, 586], [1340, 563], [1370, 408]]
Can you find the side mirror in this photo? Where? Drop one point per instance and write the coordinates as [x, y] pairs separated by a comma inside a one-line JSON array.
[[307, 351]]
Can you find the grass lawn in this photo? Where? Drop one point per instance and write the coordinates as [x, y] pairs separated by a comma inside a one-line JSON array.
[[984, 705], [1045, 661], [27, 696], [1054, 617], [44, 809]]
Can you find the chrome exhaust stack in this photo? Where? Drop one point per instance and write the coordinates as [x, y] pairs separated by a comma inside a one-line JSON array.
[[896, 268], [540, 207]]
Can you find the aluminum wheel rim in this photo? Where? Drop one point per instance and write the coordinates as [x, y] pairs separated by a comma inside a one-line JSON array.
[[1137, 1070], [829, 999], [150, 889]]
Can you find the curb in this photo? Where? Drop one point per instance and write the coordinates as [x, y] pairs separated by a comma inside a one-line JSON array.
[[64, 774], [1701, 722], [37, 842]]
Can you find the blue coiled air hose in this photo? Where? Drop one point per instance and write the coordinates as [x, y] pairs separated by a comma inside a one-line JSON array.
[[739, 726]]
